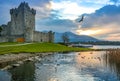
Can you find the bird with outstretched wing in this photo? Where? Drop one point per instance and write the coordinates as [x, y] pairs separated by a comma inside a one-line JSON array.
[[81, 19]]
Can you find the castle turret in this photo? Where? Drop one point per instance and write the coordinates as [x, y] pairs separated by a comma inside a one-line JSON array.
[[51, 36]]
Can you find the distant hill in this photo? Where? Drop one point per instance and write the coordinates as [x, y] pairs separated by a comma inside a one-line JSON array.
[[73, 37]]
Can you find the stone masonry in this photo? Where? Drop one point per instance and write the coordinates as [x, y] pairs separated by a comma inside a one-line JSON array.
[[21, 28]]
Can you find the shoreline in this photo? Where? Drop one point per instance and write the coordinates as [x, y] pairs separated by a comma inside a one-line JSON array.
[[12, 58]]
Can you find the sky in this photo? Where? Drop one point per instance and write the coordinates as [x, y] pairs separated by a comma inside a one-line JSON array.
[[101, 19]]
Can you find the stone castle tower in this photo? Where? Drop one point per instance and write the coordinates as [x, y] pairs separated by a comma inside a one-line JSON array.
[[23, 21], [22, 26]]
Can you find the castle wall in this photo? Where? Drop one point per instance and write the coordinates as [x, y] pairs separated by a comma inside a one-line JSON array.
[[51, 36], [3, 39], [40, 37], [17, 22], [22, 27], [4, 30], [8, 29], [43, 37], [29, 19]]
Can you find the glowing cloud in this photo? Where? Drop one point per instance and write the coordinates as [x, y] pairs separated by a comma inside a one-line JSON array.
[[71, 10], [88, 32], [107, 32], [113, 37]]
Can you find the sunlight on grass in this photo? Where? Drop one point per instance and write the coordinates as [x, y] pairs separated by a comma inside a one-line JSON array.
[[39, 47]]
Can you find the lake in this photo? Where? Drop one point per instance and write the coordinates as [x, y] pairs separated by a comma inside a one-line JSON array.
[[105, 46], [73, 66]]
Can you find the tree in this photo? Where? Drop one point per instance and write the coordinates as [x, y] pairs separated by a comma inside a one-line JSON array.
[[65, 38], [0, 30]]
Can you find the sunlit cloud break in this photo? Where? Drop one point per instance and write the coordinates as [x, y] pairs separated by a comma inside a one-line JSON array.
[[70, 10], [88, 32]]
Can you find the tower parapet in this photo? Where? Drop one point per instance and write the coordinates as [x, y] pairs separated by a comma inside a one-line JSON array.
[[23, 6], [33, 11]]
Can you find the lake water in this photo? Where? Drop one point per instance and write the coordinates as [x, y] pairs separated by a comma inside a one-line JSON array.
[[74, 66], [105, 46]]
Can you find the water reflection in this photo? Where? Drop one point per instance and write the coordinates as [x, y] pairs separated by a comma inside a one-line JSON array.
[[93, 65], [77, 66], [105, 46], [5, 76], [23, 73], [112, 61]]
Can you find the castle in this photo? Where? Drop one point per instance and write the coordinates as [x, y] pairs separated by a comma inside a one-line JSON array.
[[21, 28]]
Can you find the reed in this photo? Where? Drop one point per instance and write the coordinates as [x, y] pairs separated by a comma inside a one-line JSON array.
[[113, 51], [112, 59]]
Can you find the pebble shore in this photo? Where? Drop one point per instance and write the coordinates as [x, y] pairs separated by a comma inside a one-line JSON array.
[[12, 59]]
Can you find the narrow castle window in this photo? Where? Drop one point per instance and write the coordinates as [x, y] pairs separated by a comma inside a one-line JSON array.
[[30, 21], [41, 40], [16, 15]]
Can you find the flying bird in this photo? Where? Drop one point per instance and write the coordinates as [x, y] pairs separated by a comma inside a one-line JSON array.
[[81, 19]]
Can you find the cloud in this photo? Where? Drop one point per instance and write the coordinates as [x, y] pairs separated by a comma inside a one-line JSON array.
[[88, 32], [104, 29], [114, 1], [55, 24], [103, 22], [106, 15], [71, 9], [43, 8], [95, 2], [113, 37]]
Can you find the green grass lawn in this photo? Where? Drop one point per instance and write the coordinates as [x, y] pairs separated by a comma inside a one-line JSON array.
[[39, 47], [9, 43]]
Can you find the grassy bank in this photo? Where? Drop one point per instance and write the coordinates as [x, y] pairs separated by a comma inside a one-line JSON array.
[[39, 47], [10, 43]]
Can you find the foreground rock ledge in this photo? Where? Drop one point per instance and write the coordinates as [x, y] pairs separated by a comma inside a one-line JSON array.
[[7, 59]]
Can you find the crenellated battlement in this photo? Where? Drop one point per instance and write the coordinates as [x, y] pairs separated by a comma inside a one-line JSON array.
[[33, 11], [23, 4], [22, 7], [13, 11]]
